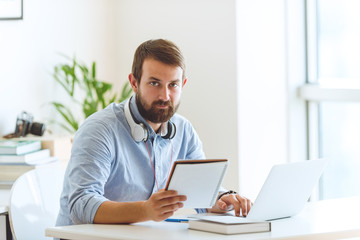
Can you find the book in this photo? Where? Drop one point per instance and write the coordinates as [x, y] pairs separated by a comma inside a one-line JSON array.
[[29, 158], [227, 224], [59, 145], [10, 172], [199, 180], [19, 147]]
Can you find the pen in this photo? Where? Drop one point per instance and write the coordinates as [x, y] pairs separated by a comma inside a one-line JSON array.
[[176, 220]]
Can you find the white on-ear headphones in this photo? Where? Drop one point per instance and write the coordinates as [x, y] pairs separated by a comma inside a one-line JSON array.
[[139, 131]]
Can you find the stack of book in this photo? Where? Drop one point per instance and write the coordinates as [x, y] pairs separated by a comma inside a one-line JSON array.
[[59, 145], [20, 156], [227, 224]]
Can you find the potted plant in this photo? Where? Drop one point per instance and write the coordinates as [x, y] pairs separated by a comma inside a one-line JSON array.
[[94, 94]]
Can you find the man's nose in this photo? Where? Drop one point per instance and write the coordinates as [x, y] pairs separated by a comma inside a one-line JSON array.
[[165, 94]]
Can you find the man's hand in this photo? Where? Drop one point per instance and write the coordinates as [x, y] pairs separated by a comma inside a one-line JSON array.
[[163, 204], [232, 202]]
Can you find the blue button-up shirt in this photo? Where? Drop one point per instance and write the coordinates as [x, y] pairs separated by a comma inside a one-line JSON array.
[[107, 164]]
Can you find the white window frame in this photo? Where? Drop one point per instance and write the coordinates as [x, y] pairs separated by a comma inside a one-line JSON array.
[[314, 93]]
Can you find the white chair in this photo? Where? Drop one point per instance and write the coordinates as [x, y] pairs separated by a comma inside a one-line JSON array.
[[34, 202]]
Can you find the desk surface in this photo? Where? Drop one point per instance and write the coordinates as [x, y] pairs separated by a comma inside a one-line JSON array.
[[329, 219]]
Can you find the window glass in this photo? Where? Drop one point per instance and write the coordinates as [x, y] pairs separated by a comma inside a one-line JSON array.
[[338, 42], [338, 65], [340, 144]]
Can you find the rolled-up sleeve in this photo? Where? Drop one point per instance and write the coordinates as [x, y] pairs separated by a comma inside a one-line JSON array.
[[88, 171]]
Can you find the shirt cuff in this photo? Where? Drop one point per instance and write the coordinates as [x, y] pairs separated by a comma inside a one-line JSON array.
[[200, 210]]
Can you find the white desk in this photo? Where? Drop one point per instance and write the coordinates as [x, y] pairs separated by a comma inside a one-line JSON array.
[[330, 219]]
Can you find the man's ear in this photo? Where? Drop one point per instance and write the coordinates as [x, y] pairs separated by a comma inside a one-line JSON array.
[[185, 80], [133, 82]]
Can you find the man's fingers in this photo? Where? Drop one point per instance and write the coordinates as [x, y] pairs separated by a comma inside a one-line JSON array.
[[162, 194], [238, 202], [172, 200], [171, 208], [165, 193], [245, 204], [231, 200], [164, 216], [162, 201], [163, 204], [221, 204]]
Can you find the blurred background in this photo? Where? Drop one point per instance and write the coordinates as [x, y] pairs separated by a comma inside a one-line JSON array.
[[249, 64]]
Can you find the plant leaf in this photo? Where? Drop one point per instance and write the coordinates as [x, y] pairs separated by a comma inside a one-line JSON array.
[[93, 70], [94, 94], [126, 92], [89, 107], [66, 114]]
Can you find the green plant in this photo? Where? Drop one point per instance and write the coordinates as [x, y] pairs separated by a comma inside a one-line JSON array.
[[95, 95]]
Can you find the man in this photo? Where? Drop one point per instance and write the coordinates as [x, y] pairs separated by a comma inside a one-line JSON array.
[[122, 155]]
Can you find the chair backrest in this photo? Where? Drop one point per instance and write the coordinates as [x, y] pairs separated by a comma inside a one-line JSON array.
[[35, 202]]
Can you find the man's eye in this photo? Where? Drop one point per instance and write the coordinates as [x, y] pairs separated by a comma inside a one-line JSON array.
[[174, 85], [154, 83]]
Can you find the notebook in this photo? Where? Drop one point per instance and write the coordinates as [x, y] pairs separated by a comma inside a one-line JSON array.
[[199, 180], [286, 189]]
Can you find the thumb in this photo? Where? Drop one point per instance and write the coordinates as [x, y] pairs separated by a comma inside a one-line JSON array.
[[221, 204]]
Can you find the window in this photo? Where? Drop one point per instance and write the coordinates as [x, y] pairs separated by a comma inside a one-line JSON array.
[[333, 93]]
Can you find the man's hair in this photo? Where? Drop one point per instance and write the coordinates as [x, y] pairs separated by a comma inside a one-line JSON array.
[[161, 50]]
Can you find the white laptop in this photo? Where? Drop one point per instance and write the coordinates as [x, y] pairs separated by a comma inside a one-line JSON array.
[[286, 189]]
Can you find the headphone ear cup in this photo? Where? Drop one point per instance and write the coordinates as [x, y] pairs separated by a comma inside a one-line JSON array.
[[139, 132], [171, 131]]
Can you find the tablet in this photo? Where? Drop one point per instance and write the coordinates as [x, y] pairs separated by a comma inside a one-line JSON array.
[[199, 180]]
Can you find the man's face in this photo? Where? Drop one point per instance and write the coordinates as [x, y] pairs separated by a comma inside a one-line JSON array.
[[159, 91]]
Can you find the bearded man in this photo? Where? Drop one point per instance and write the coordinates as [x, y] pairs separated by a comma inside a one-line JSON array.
[[122, 155]]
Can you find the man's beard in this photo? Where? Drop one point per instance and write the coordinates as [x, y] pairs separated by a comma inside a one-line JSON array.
[[154, 114]]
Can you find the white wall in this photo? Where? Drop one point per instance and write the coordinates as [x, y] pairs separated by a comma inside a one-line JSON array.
[[262, 90], [205, 32], [271, 67], [30, 48]]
